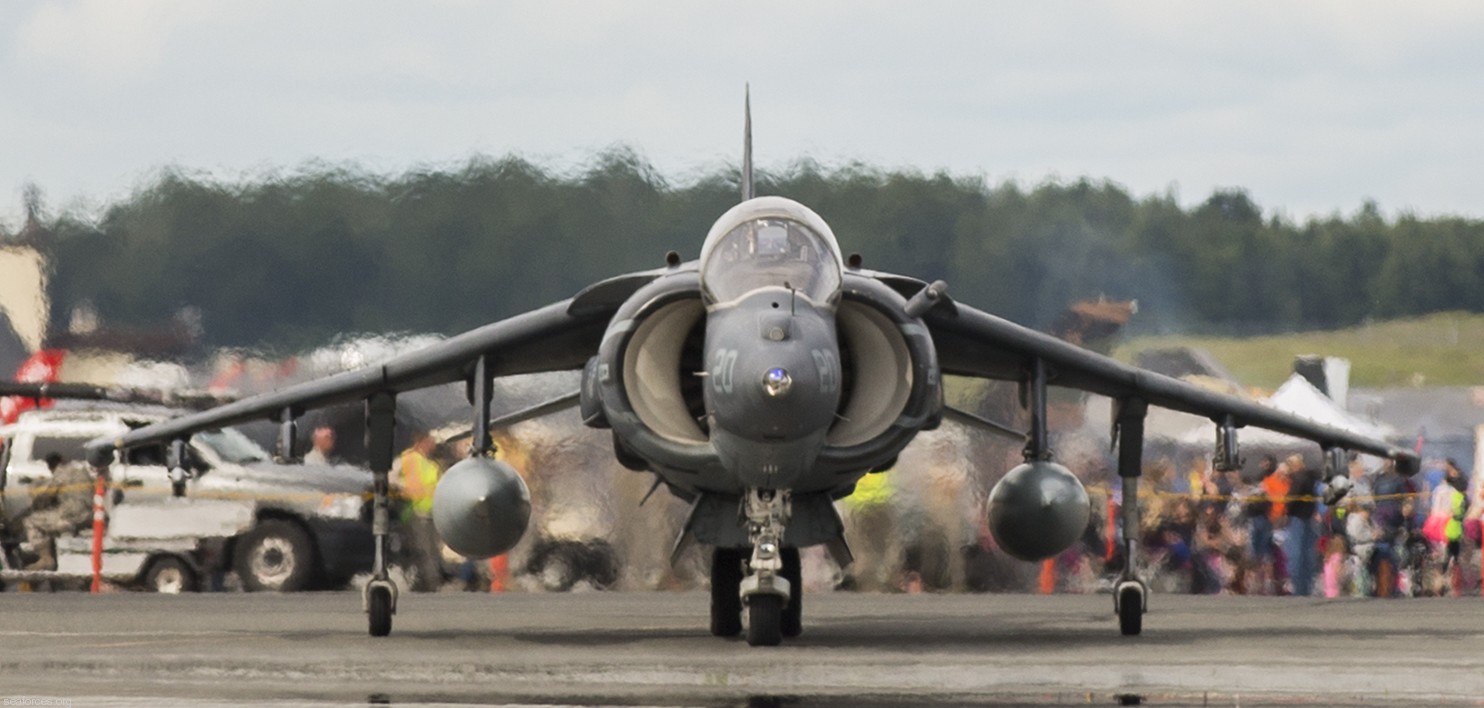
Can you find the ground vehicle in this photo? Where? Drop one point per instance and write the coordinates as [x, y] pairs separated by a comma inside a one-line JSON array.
[[280, 527]]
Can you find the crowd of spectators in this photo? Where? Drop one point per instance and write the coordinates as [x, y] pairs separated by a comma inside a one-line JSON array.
[[1270, 532]]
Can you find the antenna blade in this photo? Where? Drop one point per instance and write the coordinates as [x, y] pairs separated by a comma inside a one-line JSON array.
[[747, 191]]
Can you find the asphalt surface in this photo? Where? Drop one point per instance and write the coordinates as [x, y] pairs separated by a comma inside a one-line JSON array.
[[653, 649]]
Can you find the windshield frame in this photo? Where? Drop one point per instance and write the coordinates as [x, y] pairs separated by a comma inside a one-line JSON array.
[[770, 252], [816, 270]]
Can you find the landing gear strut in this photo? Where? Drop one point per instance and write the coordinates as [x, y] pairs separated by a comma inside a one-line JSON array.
[[767, 589], [380, 596], [1130, 594], [726, 595]]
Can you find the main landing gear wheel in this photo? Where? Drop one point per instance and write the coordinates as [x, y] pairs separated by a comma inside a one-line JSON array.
[[379, 607], [726, 600], [764, 620], [1130, 610], [793, 615]]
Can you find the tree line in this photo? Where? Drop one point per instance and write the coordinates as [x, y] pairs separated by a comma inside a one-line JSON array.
[[294, 261]]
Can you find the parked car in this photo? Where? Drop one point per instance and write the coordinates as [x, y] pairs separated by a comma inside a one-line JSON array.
[[280, 527]]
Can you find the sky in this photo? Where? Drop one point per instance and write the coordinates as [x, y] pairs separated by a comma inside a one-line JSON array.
[[1312, 107]]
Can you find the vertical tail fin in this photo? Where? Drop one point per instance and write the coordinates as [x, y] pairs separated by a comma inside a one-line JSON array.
[[747, 190]]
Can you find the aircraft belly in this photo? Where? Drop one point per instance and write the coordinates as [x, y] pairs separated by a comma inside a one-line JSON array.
[[813, 521]]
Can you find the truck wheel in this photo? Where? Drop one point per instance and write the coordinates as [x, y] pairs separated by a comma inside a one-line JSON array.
[[169, 575], [275, 556]]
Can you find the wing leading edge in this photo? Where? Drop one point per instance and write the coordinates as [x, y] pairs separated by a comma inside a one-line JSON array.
[[971, 342], [557, 337]]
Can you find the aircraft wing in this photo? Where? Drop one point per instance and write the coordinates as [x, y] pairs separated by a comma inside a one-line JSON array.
[[975, 343], [558, 337]]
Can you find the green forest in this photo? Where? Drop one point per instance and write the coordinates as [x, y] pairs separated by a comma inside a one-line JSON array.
[[294, 261]]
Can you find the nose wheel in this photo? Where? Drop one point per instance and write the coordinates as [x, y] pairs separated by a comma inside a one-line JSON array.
[[765, 620], [726, 598], [773, 571]]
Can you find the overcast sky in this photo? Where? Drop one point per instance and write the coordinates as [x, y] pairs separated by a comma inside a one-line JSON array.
[[1311, 106]]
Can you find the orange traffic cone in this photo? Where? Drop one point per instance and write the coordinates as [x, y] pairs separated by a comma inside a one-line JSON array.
[[499, 573]]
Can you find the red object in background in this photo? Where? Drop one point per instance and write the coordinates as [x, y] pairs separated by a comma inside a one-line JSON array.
[[45, 366], [1112, 528], [228, 378], [499, 572]]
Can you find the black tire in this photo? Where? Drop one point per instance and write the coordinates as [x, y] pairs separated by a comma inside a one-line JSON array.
[[555, 564], [764, 620], [275, 556], [602, 565], [169, 575], [726, 584], [793, 614], [560, 565], [1130, 612], [379, 610]]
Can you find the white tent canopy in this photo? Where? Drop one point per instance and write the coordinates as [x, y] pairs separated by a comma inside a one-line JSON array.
[[1301, 398]]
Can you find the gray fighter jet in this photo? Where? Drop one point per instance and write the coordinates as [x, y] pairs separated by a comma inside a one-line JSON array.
[[759, 383]]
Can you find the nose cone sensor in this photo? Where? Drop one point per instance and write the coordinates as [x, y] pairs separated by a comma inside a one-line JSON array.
[[777, 382]]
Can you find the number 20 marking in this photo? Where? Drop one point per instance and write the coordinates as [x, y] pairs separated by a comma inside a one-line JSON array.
[[722, 367], [828, 366]]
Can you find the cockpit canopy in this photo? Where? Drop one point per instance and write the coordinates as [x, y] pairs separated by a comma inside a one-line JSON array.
[[770, 242]]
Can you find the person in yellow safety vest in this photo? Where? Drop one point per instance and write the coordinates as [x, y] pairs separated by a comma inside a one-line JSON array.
[[1457, 500], [419, 477], [868, 530]]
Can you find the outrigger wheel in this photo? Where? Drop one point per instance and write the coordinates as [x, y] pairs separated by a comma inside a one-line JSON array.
[[1129, 602], [380, 605], [726, 584]]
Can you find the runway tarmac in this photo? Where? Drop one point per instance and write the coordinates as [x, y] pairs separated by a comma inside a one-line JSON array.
[[653, 649]]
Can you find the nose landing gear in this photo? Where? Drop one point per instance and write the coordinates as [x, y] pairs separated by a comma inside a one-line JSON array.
[[773, 577]]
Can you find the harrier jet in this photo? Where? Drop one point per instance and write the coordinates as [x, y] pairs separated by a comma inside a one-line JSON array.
[[759, 384]]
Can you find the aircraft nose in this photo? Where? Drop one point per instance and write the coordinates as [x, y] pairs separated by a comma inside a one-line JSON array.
[[773, 371]]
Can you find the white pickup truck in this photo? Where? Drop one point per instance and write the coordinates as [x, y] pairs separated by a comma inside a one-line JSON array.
[[280, 527]]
